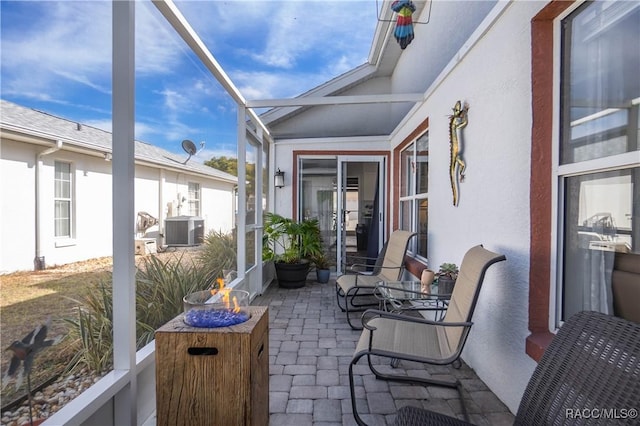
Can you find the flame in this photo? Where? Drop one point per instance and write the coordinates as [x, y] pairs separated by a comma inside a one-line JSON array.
[[225, 295], [225, 298]]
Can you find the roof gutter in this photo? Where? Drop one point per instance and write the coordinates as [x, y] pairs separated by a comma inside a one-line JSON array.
[[99, 151], [39, 262]]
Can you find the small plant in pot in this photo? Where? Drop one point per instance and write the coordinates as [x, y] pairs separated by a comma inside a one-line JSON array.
[[447, 276], [323, 264], [291, 246]]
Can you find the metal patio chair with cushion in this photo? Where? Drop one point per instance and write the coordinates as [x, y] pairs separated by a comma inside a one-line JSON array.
[[405, 337], [353, 288], [589, 374]]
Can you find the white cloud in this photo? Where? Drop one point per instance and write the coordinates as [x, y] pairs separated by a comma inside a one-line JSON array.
[[62, 42], [284, 48], [208, 154], [71, 41], [159, 50], [270, 49], [323, 29]]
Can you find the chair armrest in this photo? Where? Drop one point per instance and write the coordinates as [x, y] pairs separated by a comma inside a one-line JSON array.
[[361, 258], [432, 296], [369, 314], [372, 266], [368, 274]]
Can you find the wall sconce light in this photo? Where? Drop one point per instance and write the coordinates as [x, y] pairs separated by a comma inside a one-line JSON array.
[[278, 179]]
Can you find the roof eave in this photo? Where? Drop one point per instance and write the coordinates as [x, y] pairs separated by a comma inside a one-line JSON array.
[[44, 139]]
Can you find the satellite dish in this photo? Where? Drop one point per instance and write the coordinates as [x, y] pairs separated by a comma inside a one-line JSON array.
[[190, 148]]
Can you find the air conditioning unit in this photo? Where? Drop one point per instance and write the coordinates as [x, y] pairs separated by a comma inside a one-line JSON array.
[[183, 231]]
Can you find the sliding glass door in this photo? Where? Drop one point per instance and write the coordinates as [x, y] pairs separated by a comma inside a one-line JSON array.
[[346, 194]]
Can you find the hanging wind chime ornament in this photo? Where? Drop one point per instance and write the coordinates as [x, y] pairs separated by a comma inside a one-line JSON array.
[[404, 22]]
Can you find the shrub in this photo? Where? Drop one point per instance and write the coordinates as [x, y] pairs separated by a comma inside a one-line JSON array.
[[160, 288], [218, 253], [92, 331]]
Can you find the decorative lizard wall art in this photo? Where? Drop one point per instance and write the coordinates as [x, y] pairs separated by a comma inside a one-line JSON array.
[[457, 121]]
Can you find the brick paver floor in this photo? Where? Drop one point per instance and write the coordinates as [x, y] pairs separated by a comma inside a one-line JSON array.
[[310, 348]]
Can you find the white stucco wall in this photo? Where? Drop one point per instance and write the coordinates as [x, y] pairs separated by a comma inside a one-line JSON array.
[[495, 79], [216, 199], [17, 206], [284, 161], [217, 206], [148, 197], [91, 212]]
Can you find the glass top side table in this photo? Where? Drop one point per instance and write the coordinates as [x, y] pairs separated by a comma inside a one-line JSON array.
[[398, 296]]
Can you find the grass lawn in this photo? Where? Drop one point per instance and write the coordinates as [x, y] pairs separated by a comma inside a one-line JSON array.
[[27, 299]]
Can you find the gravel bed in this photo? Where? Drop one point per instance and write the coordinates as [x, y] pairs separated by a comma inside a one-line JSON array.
[[50, 399]]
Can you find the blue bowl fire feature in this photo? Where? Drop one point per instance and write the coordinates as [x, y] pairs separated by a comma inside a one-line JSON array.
[[213, 308], [214, 319]]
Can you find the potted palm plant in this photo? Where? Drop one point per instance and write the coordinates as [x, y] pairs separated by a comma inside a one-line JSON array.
[[322, 263], [447, 276], [291, 246]]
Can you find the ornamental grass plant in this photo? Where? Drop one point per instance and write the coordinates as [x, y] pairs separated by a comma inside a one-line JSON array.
[[160, 287]]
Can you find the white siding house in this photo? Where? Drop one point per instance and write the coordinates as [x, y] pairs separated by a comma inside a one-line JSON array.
[[56, 190]]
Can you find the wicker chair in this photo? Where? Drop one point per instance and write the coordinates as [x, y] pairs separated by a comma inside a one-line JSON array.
[[592, 365], [405, 337], [354, 290]]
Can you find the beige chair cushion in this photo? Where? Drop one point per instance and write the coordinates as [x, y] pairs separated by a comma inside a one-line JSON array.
[[391, 266], [406, 338], [471, 274], [394, 256], [348, 281]]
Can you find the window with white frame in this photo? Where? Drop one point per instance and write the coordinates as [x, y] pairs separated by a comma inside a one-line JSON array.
[[63, 200], [598, 168], [194, 199], [414, 189]]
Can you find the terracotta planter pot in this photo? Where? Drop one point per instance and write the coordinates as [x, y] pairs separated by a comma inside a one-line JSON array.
[[426, 279]]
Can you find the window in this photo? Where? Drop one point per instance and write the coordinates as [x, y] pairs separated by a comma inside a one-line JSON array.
[[63, 200], [414, 188], [598, 173], [194, 199]]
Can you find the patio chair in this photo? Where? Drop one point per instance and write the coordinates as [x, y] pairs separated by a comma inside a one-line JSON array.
[[405, 337], [591, 366], [357, 286]]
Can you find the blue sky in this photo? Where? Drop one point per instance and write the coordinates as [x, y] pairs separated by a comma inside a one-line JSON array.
[[56, 57]]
